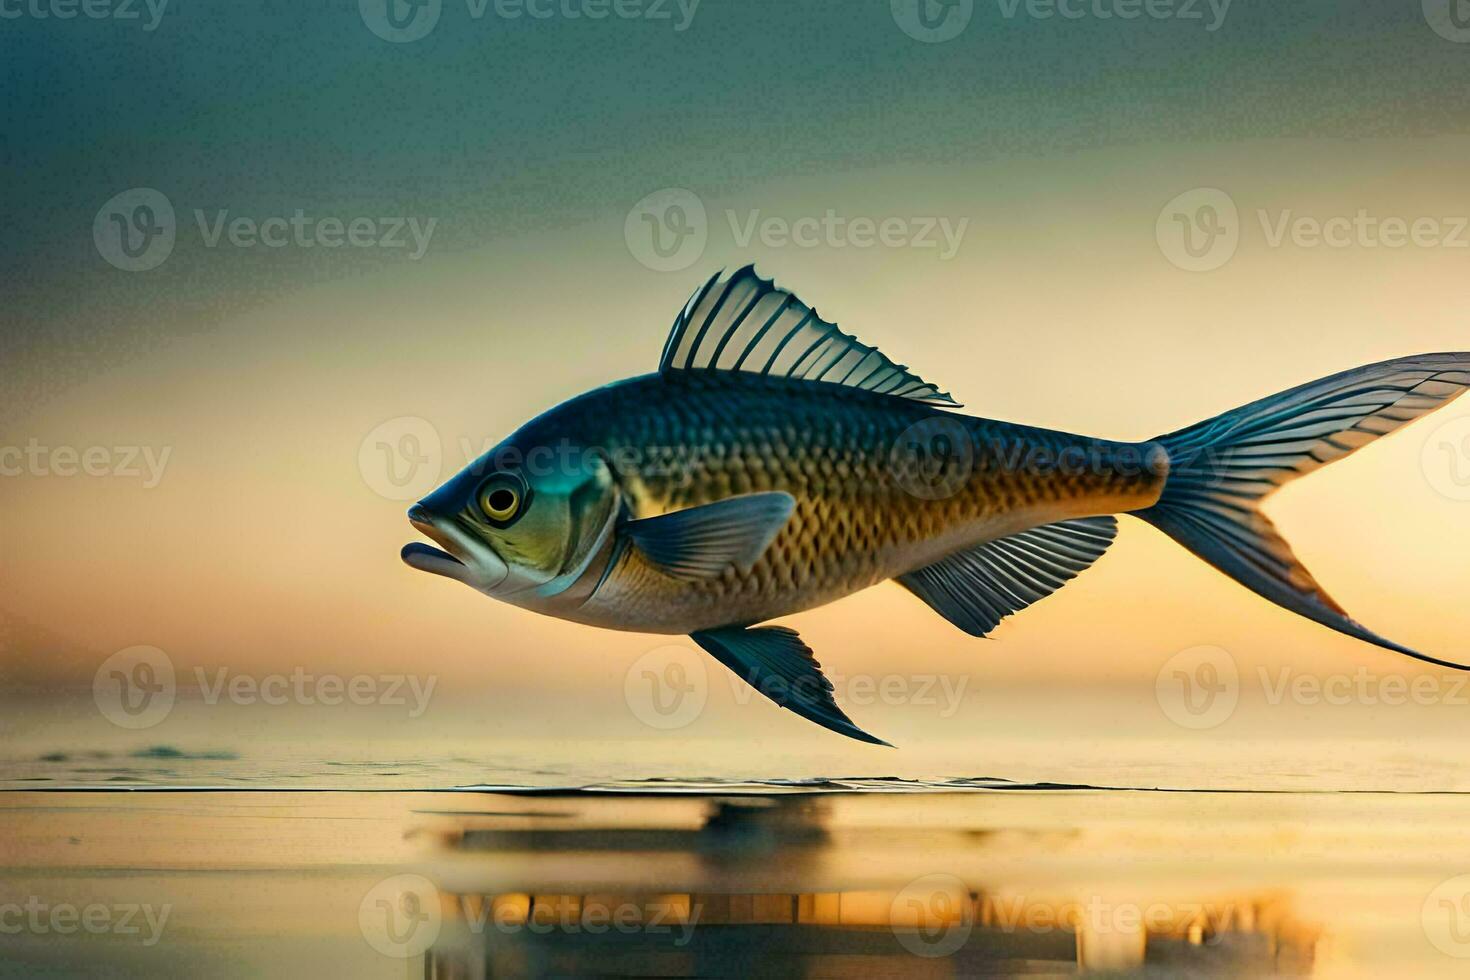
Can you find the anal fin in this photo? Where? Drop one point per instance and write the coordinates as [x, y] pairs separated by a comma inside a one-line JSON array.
[[977, 588]]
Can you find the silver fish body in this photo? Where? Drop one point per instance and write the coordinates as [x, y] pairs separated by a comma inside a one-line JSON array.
[[881, 486], [775, 463]]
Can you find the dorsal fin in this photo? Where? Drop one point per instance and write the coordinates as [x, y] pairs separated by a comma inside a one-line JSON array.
[[745, 323]]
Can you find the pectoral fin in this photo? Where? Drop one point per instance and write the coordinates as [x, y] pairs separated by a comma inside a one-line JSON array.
[[702, 542], [976, 589], [774, 661]]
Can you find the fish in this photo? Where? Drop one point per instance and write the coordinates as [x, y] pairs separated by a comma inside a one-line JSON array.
[[774, 463]]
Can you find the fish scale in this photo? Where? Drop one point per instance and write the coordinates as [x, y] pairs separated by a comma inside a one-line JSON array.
[[682, 442], [775, 463]]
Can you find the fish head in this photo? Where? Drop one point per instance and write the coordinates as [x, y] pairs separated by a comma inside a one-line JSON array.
[[518, 520]]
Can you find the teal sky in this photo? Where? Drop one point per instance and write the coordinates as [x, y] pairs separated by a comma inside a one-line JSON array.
[[1056, 142], [504, 126]]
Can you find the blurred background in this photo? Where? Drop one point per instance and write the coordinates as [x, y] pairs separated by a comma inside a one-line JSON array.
[[274, 269]]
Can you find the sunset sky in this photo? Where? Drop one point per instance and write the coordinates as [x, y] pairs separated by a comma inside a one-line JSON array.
[[266, 544]]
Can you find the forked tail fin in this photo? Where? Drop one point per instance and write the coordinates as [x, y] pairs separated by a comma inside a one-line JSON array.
[[1222, 468]]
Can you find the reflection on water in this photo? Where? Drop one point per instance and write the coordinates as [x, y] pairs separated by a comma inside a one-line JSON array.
[[837, 934], [788, 827], [934, 925], [674, 883]]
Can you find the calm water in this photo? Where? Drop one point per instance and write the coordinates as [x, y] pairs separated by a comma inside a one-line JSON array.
[[1022, 852], [737, 882], [1311, 765]]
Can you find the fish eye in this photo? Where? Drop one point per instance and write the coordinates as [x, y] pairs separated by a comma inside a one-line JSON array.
[[502, 498]]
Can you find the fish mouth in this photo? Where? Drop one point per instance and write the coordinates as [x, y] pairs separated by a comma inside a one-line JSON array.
[[462, 558], [427, 558]]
